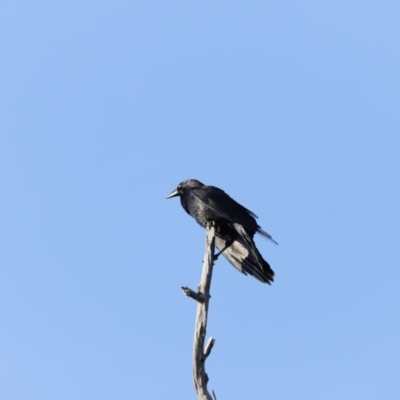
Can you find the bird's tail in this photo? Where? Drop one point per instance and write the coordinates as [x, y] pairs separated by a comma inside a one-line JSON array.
[[246, 258]]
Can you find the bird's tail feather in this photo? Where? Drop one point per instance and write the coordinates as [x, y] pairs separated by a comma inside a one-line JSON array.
[[248, 239], [246, 259]]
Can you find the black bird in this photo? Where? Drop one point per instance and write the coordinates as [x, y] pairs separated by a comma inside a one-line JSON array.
[[235, 226]]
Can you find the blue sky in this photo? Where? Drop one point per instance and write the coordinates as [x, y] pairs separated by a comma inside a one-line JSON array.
[[291, 107]]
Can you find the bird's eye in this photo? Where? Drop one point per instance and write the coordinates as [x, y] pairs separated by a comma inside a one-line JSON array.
[[179, 186]]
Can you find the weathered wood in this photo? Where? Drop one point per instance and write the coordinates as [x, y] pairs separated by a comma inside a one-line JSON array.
[[208, 347], [201, 352], [192, 294]]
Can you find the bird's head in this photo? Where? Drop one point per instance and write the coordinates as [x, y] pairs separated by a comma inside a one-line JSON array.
[[184, 186]]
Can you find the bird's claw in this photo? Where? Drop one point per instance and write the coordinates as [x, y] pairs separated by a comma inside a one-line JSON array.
[[215, 256]]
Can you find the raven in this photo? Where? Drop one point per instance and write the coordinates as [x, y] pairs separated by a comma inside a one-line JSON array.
[[235, 226]]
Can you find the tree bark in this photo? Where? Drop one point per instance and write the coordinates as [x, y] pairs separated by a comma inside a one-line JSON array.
[[202, 296]]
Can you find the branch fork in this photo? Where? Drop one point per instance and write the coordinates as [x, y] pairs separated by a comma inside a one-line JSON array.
[[198, 296]]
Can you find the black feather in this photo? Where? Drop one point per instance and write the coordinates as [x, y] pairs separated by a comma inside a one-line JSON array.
[[235, 226]]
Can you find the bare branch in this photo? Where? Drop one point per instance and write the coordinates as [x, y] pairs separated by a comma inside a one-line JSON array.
[[192, 294], [208, 347], [200, 353]]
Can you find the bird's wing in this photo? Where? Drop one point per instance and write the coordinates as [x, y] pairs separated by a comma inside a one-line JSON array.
[[223, 205]]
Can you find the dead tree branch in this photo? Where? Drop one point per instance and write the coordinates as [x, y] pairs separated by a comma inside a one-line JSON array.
[[202, 296]]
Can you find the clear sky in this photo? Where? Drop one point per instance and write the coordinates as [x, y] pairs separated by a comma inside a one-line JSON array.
[[291, 107]]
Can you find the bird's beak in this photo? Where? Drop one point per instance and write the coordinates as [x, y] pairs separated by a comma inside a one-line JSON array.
[[173, 194]]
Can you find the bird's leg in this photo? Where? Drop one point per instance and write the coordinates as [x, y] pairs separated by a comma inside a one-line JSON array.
[[223, 233], [227, 244]]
